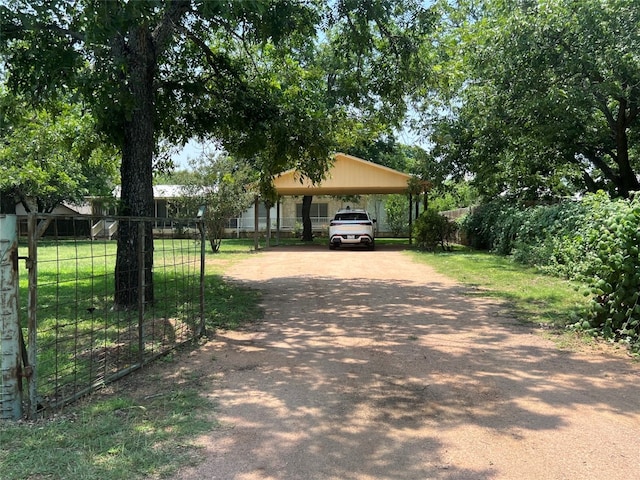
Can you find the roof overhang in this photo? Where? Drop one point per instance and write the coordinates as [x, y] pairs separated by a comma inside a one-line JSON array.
[[348, 176]]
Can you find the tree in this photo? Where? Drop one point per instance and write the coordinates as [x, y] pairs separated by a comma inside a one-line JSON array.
[[179, 177], [375, 58], [329, 90], [50, 157], [147, 70], [174, 69], [546, 96], [397, 207], [452, 195], [223, 185]]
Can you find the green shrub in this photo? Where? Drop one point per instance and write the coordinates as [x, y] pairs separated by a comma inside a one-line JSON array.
[[493, 226], [614, 269], [432, 230], [397, 207], [550, 238]]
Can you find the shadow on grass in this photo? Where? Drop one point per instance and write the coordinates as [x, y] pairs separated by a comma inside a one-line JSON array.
[[111, 437]]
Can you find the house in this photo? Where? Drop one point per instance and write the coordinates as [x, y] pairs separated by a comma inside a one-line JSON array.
[[350, 181], [286, 216], [365, 184], [65, 225]]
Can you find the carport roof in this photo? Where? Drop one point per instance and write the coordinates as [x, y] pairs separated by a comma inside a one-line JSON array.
[[348, 176]]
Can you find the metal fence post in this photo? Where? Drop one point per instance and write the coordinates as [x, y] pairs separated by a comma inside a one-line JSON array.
[[10, 347], [203, 239], [141, 290], [32, 310]]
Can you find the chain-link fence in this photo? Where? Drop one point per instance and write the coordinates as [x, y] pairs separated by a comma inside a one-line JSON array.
[[98, 298]]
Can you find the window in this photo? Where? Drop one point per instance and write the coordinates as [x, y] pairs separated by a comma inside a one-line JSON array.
[[352, 216], [161, 208], [262, 210], [318, 210]]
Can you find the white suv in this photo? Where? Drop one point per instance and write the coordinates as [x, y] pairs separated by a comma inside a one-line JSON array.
[[352, 227]]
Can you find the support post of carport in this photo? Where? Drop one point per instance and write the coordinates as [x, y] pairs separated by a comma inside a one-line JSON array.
[[256, 224], [268, 226], [410, 217], [278, 221]]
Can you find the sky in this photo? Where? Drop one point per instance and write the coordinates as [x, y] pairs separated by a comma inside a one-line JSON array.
[[192, 150]]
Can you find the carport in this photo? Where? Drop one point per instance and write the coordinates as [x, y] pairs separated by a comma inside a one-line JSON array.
[[348, 175]]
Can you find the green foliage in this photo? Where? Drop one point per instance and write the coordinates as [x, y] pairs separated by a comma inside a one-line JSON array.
[[223, 185], [269, 79], [613, 273], [177, 177], [549, 237], [432, 230], [451, 195], [397, 208], [539, 99], [595, 241], [378, 54], [47, 157], [493, 226]]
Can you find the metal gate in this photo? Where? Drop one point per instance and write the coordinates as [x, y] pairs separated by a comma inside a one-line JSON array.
[[63, 334]]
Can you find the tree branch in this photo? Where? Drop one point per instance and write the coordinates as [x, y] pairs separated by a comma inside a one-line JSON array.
[[633, 114], [604, 108], [61, 32], [14, 27], [601, 165], [170, 22], [211, 59]]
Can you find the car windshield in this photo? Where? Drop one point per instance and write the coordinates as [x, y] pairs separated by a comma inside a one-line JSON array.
[[351, 216]]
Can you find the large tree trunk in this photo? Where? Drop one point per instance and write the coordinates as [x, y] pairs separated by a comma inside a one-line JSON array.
[[627, 180], [7, 202], [307, 231], [136, 173]]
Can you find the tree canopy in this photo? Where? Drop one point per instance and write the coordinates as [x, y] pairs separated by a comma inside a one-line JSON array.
[[222, 184], [532, 99], [540, 98], [51, 156]]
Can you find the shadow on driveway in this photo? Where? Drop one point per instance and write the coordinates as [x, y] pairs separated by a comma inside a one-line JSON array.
[[401, 374]]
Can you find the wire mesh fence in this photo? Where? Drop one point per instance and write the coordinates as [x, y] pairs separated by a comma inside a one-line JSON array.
[[93, 309]]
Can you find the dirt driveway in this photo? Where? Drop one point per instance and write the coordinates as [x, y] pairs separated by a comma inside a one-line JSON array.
[[370, 366]]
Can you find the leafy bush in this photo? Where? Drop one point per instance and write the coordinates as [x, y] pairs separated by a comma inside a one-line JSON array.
[[614, 269], [550, 239], [493, 226], [432, 229], [397, 208]]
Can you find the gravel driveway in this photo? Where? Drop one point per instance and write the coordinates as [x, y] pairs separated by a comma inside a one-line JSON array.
[[370, 366]]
